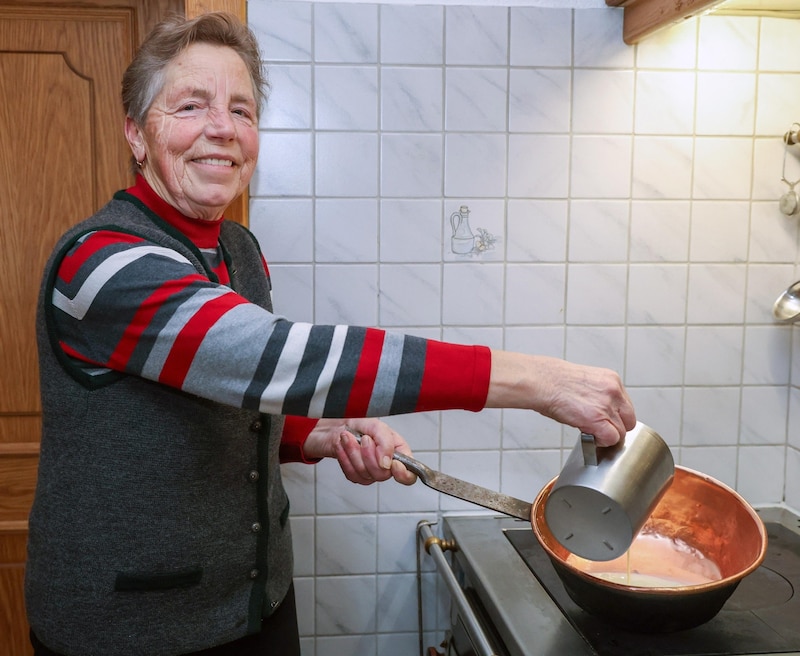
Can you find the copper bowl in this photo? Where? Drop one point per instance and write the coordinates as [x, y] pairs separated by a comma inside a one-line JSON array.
[[699, 542]]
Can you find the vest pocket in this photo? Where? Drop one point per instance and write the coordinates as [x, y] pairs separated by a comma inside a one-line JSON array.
[[149, 581]]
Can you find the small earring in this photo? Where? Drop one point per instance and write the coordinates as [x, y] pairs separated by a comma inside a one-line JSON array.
[[140, 163]]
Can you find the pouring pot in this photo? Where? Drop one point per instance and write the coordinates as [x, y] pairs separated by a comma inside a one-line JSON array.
[[620, 474], [604, 495], [701, 535]]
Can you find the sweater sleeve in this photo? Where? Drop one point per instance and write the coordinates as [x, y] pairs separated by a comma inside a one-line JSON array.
[[295, 432], [124, 304]]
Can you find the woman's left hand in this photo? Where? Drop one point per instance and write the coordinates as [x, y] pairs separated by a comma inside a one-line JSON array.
[[363, 463]]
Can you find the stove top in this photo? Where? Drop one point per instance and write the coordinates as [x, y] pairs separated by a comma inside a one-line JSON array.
[[760, 617], [503, 566]]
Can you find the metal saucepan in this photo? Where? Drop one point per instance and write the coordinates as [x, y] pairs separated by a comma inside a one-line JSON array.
[[702, 536]]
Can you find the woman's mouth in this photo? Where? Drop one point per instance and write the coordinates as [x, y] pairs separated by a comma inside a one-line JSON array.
[[213, 161]]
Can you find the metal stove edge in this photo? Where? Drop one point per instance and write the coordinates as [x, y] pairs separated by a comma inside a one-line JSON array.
[[780, 515], [530, 622]]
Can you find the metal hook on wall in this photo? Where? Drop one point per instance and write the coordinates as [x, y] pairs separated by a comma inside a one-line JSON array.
[[789, 203], [792, 137]]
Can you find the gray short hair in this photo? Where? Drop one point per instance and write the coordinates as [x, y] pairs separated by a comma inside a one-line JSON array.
[[144, 77]]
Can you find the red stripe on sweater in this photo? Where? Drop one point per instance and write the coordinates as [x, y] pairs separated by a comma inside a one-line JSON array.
[[366, 372], [72, 263], [77, 354], [455, 376], [144, 315], [192, 335], [221, 271]]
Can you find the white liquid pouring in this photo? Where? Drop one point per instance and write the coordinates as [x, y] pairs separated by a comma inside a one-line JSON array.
[[654, 561]]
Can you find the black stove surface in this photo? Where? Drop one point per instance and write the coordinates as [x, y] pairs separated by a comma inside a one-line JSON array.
[[761, 617]]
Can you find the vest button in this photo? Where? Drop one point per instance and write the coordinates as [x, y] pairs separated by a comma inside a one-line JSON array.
[[254, 573], [256, 527], [253, 476], [256, 426]]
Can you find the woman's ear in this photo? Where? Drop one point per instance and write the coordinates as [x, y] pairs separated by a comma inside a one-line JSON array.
[[135, 139]]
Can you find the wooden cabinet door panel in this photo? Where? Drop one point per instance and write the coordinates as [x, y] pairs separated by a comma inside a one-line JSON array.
[[13, 625], [18, 465], [32, 223]]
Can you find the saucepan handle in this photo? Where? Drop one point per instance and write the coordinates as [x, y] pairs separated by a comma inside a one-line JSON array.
[[589, 449], [415, 466], [463, 490]]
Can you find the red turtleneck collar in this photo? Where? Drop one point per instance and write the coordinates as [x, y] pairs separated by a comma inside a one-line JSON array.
[[203, 234]]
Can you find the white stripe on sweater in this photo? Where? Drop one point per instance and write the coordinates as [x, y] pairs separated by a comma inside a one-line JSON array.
[[323, 386], [78, 306], [289, 361]]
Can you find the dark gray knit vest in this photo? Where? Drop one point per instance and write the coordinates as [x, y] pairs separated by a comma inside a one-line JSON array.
[[160, 523]]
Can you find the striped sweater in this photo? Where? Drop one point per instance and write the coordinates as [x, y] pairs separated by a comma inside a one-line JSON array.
[[160, 522], [123, 304]]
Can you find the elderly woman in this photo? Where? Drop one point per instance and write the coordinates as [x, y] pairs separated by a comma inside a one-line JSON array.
[[172, 392]]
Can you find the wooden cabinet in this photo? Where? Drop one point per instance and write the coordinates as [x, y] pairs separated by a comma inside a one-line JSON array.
[[60, 125], [64, 155], [643, 17]]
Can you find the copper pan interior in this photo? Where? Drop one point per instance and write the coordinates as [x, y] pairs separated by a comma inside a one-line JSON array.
[[706, 536]]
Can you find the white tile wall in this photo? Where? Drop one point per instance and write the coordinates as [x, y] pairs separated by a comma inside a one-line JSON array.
[[626, 201]]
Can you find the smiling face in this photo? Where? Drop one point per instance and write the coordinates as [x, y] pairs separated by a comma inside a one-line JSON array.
[[199, 143]]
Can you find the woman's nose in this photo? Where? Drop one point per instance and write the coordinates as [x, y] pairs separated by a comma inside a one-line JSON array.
[[220, 124]]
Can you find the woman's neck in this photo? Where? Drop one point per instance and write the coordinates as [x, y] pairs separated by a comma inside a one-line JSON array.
[[203, 234]]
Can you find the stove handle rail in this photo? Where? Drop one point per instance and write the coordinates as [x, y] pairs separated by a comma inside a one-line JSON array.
[[435, 547]]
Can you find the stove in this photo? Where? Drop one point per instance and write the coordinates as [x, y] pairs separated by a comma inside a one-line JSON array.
[[508, 590]]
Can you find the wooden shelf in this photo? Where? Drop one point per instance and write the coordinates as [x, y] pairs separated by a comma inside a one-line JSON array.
[[643, 17]]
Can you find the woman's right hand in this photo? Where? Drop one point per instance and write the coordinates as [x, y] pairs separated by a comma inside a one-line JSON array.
[[591, 399]]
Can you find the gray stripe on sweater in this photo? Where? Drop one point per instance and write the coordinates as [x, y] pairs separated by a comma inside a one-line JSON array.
[[166, 337], [386, 380]]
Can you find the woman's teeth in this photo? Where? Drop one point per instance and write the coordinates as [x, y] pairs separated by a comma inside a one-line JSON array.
[[215, 162]]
